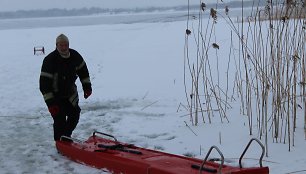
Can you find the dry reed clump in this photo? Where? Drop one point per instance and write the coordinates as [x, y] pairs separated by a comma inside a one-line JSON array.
[[285, 13], [269, 81]]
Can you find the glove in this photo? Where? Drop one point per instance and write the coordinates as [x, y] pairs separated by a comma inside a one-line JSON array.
[[54, 110], [87, 93]]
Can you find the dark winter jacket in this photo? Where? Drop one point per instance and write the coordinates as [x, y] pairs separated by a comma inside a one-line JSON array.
[[58, 76]]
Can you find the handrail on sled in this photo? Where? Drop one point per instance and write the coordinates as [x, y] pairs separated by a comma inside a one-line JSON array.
[[247, 147], [101, 133], [206, 157]]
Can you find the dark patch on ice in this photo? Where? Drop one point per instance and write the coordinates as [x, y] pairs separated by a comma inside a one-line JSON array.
[[189, 154], [170, 138], [108, 105], [157, 147], [154, 136], [139, 113]]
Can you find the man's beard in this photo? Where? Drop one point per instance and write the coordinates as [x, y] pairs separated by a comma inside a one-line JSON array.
[[64, 54]]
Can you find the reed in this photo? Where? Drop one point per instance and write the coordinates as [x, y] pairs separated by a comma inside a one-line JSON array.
[[269, 68]]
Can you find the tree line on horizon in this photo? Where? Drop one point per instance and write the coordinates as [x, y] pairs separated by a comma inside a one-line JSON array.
[[58, 12]]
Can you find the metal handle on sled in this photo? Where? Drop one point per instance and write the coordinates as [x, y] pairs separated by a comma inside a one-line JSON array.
[[247, 147], [208, 153], [96, 132]]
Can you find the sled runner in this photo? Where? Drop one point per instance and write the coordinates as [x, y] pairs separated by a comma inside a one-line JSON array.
[[104, 151]]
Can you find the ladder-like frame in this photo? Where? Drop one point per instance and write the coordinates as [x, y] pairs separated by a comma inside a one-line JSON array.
[[240, 159]]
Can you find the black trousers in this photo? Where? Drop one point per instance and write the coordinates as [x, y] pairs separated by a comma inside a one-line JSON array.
[[66, 120]]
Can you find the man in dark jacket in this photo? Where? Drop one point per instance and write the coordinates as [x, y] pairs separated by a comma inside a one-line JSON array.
[[59, 71]]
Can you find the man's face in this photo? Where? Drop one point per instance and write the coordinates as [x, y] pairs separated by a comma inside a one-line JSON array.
[[63, 47]]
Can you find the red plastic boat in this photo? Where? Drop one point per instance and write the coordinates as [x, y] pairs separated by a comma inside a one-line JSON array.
[[121, 158]]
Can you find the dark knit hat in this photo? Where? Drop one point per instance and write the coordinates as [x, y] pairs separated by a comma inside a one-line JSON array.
[[62, 38]]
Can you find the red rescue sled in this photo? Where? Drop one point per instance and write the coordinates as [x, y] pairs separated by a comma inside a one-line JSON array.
[[122, 158]]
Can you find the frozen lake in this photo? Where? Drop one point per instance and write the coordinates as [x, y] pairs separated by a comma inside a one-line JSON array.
[[129, 18]]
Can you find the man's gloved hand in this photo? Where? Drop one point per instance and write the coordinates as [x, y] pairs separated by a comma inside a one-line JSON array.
[[87, 93], [54, 110]]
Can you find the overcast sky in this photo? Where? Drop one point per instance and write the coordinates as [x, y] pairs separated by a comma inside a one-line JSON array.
[[13, 5]]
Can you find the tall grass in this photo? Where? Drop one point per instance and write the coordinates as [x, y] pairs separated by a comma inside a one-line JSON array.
[[269, 67]]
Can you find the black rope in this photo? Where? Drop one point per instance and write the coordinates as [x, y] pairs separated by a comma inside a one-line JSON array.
[[119, 147]]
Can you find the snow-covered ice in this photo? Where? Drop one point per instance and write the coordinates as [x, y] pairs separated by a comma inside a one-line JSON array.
[[137, 75]]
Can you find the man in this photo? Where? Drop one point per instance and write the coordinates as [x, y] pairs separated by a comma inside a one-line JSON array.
[[59, 72]]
